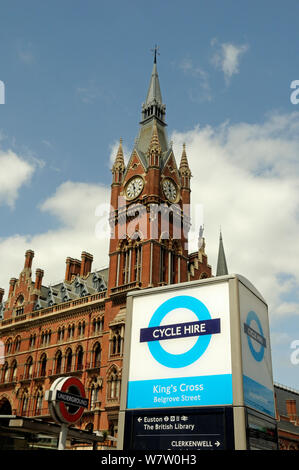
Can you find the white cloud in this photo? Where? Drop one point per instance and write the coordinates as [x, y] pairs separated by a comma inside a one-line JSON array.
[[203, 93], [247, 178], [14, 173], [227, 58], [74, 204]]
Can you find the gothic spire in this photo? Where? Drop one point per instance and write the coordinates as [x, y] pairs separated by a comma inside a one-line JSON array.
[[221, 262], [184, 165], [154, 91], [153, 113], [119, 162], [153, 106]]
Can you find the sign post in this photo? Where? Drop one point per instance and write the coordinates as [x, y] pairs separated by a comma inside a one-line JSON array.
[[200, 350], [67, 401]]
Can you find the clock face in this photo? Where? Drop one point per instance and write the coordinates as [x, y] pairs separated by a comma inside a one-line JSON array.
[[170, 190], [134, 187]]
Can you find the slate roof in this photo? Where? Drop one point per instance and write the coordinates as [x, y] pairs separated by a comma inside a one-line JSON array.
[[79, 287]]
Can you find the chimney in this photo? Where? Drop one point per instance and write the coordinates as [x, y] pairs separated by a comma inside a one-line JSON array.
[[1, 295], [86, 262], [73, 267], [12, 283], [39, 274], [68, 268], [29, 255], [76, 267], [291, 409]]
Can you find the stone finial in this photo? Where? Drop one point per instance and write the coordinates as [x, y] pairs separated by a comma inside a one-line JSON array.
[[154, 145], [119, 163], [184, 165]]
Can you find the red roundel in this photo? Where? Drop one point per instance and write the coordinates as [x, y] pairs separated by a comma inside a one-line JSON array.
[[65, 414]]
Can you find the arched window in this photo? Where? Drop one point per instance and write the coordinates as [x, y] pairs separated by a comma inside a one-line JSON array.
[[60, 334], [39, 402], [24, 403], [58, 362], [13, 373], [69, 359], [79, 358], [20, 306], [28, 367], [116, 343], [17, 344], [113, 384], [94, 393], [71, 331], [137, 263], [8, 346], [32, 341], [43, 365], [4, 375], [96, 356], [46, 337], [81, 328], [97, 324], [163, 261]]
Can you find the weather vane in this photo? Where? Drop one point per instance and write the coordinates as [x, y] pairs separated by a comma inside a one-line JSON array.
[[155, 52]]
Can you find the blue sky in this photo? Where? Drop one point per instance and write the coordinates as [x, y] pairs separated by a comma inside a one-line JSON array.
[[76, 74]]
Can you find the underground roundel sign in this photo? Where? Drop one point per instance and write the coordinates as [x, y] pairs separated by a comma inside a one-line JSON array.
[[67, 400]]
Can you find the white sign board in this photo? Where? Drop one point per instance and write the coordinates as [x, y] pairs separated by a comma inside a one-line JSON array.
[[180, 352], [256, 353]]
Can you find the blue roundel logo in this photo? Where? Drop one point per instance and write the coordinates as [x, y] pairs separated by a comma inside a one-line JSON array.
[[255, 337], [185, 359]]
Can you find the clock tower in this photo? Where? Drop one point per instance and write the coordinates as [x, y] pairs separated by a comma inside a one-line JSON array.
[[150, 207]]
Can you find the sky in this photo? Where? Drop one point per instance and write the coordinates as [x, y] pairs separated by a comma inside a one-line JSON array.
[[74, 75]]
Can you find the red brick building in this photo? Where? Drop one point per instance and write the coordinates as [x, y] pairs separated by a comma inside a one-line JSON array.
[[287, 415], [76, 327]]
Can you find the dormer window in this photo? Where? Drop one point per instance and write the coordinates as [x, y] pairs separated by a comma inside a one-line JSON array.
[[20, 306], [98, 283]]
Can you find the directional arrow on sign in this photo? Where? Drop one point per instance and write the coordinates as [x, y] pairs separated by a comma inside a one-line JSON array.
[[139, 419], [217, 443]]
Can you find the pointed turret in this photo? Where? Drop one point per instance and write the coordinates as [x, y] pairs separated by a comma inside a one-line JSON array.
[[184, 165], [118, 167], [119, 162], [154, 146], [118, 170], [185, 175], [221, 262]]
